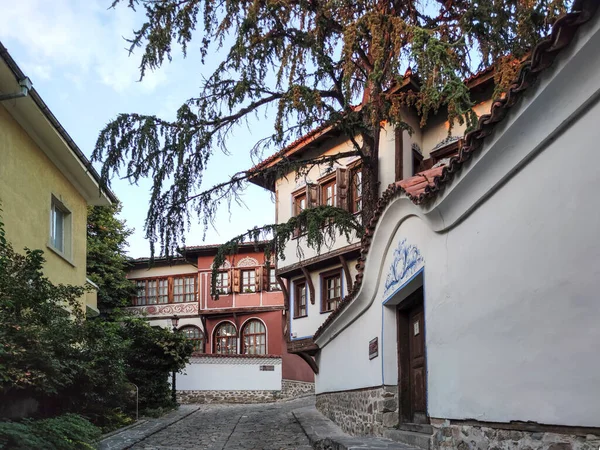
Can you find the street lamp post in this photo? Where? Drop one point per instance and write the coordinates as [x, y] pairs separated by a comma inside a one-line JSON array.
[[174, 323]]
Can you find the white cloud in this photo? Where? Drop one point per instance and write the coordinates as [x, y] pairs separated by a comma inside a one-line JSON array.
[[82, 37]]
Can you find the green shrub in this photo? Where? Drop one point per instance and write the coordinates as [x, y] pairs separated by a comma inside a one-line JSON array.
[[60, 433]]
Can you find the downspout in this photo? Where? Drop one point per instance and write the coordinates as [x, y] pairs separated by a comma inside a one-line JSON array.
[[25, 85]]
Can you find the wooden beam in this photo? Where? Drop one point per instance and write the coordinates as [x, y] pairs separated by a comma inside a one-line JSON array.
[[346, 272], [285, 291], [311, 287], [310, 361]]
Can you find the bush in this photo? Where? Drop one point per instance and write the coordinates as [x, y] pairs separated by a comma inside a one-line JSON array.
[[61, 433]]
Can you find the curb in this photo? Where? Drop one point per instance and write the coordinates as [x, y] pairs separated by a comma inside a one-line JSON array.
[[323, 434], [120, 430]]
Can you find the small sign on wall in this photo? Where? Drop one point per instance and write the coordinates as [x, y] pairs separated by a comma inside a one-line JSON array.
[[373, 348], [267, 368]]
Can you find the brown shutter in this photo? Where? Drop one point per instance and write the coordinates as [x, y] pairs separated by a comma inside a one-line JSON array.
[[229, 288], [265, 278], [341, 182], [236, 280], [258, 278], [312, 195]]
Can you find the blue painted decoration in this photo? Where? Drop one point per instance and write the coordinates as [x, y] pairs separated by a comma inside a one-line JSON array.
[[407, 262]]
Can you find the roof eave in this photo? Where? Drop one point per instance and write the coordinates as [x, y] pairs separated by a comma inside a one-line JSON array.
[[88, 182]]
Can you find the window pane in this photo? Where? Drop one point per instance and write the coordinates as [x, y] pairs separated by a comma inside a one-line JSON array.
[[196, 336], [226, 339], [57, 237], [190, 289], [254, 338], [248, 281], [141, 293], [163, 291], [152, 284], [178, 290]]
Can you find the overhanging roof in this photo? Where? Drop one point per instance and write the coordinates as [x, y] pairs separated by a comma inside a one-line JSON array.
[[44, 128]]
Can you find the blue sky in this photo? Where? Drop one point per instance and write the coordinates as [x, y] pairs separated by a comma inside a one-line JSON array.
[[75, 54]]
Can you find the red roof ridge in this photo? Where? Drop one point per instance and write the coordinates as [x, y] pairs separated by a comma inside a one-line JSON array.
[[542, 57]]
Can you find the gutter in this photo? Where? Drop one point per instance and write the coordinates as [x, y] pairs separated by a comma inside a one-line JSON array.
[[19, 75]]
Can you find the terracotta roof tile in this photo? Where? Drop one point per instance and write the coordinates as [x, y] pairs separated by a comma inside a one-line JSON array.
[[426, 185]]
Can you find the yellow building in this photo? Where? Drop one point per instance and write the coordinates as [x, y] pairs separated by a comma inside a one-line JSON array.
[[46, 182]]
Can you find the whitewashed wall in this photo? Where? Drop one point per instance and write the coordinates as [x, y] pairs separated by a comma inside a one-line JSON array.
[[512, 269], [225, 374], [162, 271]]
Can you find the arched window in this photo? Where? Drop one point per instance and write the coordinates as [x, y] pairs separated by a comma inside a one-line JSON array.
[[195, 335], [254, 338], [226, 339]]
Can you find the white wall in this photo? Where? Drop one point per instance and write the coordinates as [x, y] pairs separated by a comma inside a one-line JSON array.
[[162, 271], [511, 289], [306, 326], [223, 374]]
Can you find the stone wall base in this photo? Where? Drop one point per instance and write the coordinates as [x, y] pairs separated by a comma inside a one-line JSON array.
[[296, 389], [185, 397], [361, 412], [469, 437]]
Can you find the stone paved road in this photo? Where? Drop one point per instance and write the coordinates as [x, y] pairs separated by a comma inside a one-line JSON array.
[[232, 427]]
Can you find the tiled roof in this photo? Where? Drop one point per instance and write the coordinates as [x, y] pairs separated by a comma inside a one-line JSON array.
[[426, 185], [313, 134], [301, 140]]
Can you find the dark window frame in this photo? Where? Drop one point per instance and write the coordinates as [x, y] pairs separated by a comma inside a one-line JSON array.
[[198, 342], [220, 288], [355, 190], [325, 301], [273, 283], [253, 337], [250, 288], [298, 285], [171, 296], [226, 340], [329, 181]]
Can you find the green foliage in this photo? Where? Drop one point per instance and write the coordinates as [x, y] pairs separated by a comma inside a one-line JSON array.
[[309, 62], [66, 432], [40, 326], [49, 353], [152, 354], [106, 256]]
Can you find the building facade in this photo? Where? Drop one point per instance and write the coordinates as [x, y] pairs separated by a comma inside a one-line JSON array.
[[316, 282], [471, 322], [46, 182], [240, 353]]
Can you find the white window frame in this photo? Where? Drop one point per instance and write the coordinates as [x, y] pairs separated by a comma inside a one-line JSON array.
[[67, 233]]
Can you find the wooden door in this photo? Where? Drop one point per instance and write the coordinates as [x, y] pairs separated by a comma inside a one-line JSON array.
[[417, 370], [412, 368]]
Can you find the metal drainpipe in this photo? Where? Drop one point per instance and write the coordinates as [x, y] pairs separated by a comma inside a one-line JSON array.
[[25, 85]]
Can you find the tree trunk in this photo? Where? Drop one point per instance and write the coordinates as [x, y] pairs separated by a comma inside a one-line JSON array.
[[370, 176]]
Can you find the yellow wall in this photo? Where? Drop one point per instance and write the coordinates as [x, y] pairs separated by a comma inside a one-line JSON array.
[[27, 181]]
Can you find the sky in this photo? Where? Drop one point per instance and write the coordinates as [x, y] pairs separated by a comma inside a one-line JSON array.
[[76, 56]]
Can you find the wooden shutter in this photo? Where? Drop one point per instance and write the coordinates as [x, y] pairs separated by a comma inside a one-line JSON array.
[[258, 278], [265, 278], [341, 182], [312, 195], [229, 288], [236, 280]]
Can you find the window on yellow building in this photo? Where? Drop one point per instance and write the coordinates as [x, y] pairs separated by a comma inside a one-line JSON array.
[[60, 227]]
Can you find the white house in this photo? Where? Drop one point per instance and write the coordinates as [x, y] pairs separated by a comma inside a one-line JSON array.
[[475, 319]]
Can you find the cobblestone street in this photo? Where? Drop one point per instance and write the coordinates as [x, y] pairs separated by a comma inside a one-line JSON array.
[[231, 427]]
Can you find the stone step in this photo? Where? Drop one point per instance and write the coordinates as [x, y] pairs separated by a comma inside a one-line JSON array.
[[417, 427], [413, 438]]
